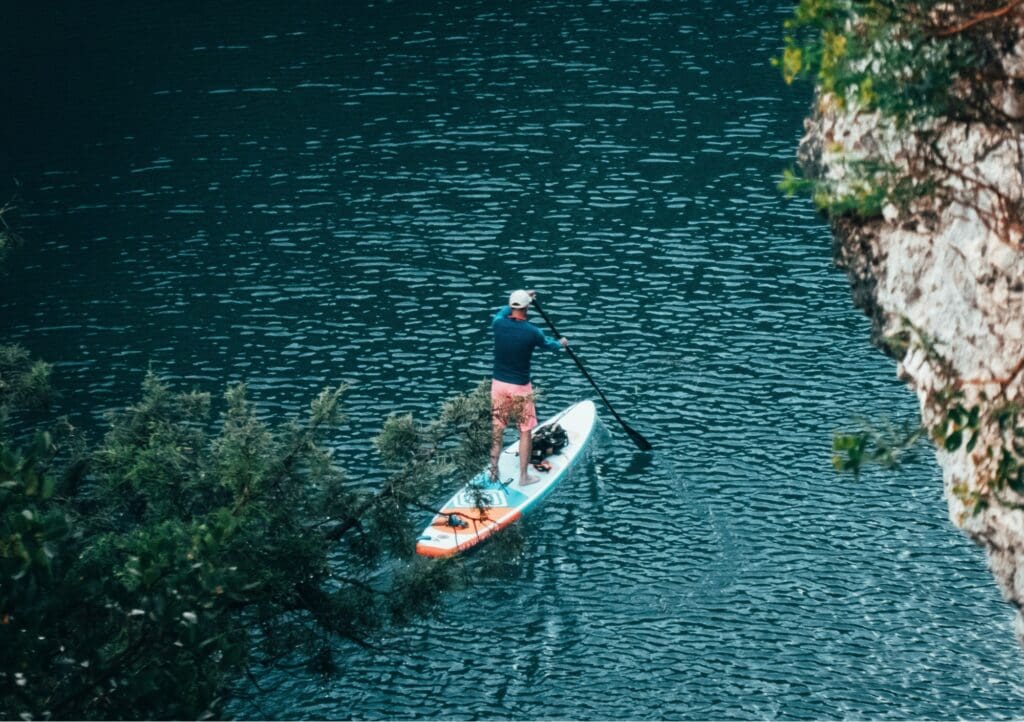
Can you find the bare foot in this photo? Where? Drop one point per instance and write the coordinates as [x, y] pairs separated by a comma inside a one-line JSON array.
[[529, 479], [492, 473]]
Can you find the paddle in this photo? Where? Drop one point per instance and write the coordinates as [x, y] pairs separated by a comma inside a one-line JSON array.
[[641, 443]]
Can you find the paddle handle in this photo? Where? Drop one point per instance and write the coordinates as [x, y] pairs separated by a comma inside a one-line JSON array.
[[642, 443]]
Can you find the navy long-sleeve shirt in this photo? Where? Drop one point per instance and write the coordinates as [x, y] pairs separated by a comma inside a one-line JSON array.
[[514, 342]]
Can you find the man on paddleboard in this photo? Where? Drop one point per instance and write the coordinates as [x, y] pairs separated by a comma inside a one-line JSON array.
[[515, 338]]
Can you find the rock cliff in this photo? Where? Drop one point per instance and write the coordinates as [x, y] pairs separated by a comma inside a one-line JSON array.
[[942, 279]]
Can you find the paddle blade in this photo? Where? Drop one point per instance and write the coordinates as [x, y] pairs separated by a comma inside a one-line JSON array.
[[641, 443]]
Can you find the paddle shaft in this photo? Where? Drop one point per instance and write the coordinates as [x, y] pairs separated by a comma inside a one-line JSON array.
[[637, 438]]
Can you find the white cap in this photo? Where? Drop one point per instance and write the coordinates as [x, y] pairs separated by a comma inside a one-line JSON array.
[[519, 299]]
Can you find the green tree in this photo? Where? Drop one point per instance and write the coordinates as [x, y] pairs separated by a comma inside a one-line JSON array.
[[922, 68], [24, 381], [8, 237], [141, 576]]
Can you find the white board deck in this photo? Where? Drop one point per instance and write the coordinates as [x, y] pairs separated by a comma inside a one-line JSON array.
[[504, 501]]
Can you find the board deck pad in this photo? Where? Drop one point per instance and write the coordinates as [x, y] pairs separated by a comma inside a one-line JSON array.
[[484, 506]]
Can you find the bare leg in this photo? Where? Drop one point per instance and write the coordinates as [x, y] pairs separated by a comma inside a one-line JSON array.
[[525, 447], [497, 431]]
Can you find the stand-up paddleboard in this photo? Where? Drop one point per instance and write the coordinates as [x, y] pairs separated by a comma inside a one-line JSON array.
[[462, 523]]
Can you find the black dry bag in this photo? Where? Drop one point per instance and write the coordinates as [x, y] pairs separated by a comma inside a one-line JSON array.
[[548, 441]]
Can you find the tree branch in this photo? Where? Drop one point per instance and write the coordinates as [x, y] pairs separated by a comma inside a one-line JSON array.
[[979, 18]]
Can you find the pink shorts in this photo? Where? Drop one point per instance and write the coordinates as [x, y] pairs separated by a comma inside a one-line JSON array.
[[511, 402]]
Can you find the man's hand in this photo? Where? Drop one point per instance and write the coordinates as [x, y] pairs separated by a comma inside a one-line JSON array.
[[564, 341], [533, 294]]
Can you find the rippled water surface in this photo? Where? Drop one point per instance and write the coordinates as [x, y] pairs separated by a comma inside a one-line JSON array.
[[295, 194]]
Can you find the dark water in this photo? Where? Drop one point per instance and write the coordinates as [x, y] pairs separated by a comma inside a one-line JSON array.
[[304, 193]]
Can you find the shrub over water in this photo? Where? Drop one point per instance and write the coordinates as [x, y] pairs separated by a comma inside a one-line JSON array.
[[142, 576]]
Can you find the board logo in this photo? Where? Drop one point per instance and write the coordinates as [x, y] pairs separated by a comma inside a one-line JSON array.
[[468, 498]]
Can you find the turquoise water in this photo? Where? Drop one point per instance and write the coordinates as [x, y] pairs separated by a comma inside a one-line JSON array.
[[297, 194]]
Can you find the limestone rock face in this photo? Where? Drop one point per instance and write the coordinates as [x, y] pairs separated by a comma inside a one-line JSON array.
[[945, 276]]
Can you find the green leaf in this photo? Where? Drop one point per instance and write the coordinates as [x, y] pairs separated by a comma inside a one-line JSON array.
[[1016, 481], [9, 462], [48, 484], [792, 63]]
